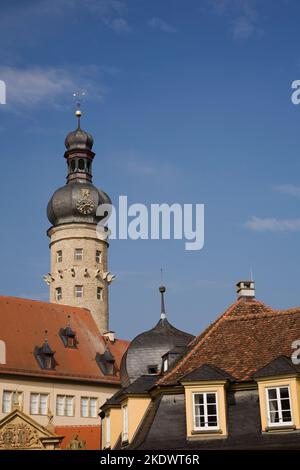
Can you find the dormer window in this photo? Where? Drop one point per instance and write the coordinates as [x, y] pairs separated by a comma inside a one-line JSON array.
[[45, 355], [68, 335], [165, 365], [152, 369], [106, 362]]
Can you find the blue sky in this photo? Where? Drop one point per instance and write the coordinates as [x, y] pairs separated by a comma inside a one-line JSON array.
[[188, 102]]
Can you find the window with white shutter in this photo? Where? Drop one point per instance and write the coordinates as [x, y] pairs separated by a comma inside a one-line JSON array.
[[7, 401], [84, 407], [39, 403]]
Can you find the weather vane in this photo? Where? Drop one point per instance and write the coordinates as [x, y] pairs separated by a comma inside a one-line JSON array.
[[79, 97]]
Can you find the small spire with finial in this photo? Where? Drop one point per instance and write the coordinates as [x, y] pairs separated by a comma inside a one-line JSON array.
[[162, 291], [78, 97]]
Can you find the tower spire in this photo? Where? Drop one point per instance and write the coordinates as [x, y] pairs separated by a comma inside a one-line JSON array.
[[162, 291]]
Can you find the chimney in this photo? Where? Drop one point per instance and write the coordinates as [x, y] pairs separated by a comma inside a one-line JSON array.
[[110, 335], [245, 289]]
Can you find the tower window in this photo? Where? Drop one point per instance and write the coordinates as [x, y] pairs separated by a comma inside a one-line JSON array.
[[98, 256], [81, 164], [78, 291], [58, 294], [73, 165], [78, 254], [99, 293], [59, 256], [153, 369]]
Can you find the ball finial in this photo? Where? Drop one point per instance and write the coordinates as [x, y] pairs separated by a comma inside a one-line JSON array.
[[162, 289]]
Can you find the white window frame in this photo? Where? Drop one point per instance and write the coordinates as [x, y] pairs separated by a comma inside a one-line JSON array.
[[89, 415], [98, 256], [78, 254], [78, 289], [125, 423], [39, 403], [278, 399], [59, 256], [165, 364], [58, 294], [11, 399], [205, 427], [65, 398], [107, 430]]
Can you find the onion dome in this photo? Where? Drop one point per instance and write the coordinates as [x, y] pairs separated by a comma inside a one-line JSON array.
[[79, 199], [76, 202], [144, 354], [79, 139]]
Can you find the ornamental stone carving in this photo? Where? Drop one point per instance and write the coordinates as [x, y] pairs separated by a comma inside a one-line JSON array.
[[19, 436]]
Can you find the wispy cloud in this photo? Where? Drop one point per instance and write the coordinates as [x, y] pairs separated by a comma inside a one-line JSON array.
[[137, 165], [33, 86], [111, 13], [273, 224], [242, 16], [289, 189], [162, 25]]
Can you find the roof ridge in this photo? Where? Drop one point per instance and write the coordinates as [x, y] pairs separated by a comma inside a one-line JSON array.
[[198, 341]]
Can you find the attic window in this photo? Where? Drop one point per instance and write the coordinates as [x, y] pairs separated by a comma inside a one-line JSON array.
[[45, 355], [165, 364], [152, 369], [106, 362], [68, 335]]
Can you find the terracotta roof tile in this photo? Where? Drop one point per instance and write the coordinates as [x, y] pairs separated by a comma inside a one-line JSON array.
[[245, 338], [90, 434], [22, 326]]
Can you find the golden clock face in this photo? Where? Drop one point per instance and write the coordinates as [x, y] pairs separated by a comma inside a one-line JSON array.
[[86, 205]]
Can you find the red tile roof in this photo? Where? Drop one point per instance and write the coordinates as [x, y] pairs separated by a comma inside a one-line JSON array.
[[22, 326], [90, 434], [245, 338]]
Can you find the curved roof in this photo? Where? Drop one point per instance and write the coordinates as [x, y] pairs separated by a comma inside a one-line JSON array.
[[76, 202], [147, 348]]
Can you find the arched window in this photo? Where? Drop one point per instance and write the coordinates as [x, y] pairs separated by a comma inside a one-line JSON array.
[[81, 164], [73, 165]]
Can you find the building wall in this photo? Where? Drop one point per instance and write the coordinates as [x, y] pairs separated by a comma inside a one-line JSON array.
[[136, 409], [27, 386], [66, 238]]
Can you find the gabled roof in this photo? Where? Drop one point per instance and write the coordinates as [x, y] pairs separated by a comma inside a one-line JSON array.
[[207, 372], [22, 326], [139, 387], [282, 365], [245, 338]]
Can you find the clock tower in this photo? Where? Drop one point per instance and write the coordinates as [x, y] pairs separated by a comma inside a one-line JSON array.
[[79, 273]]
